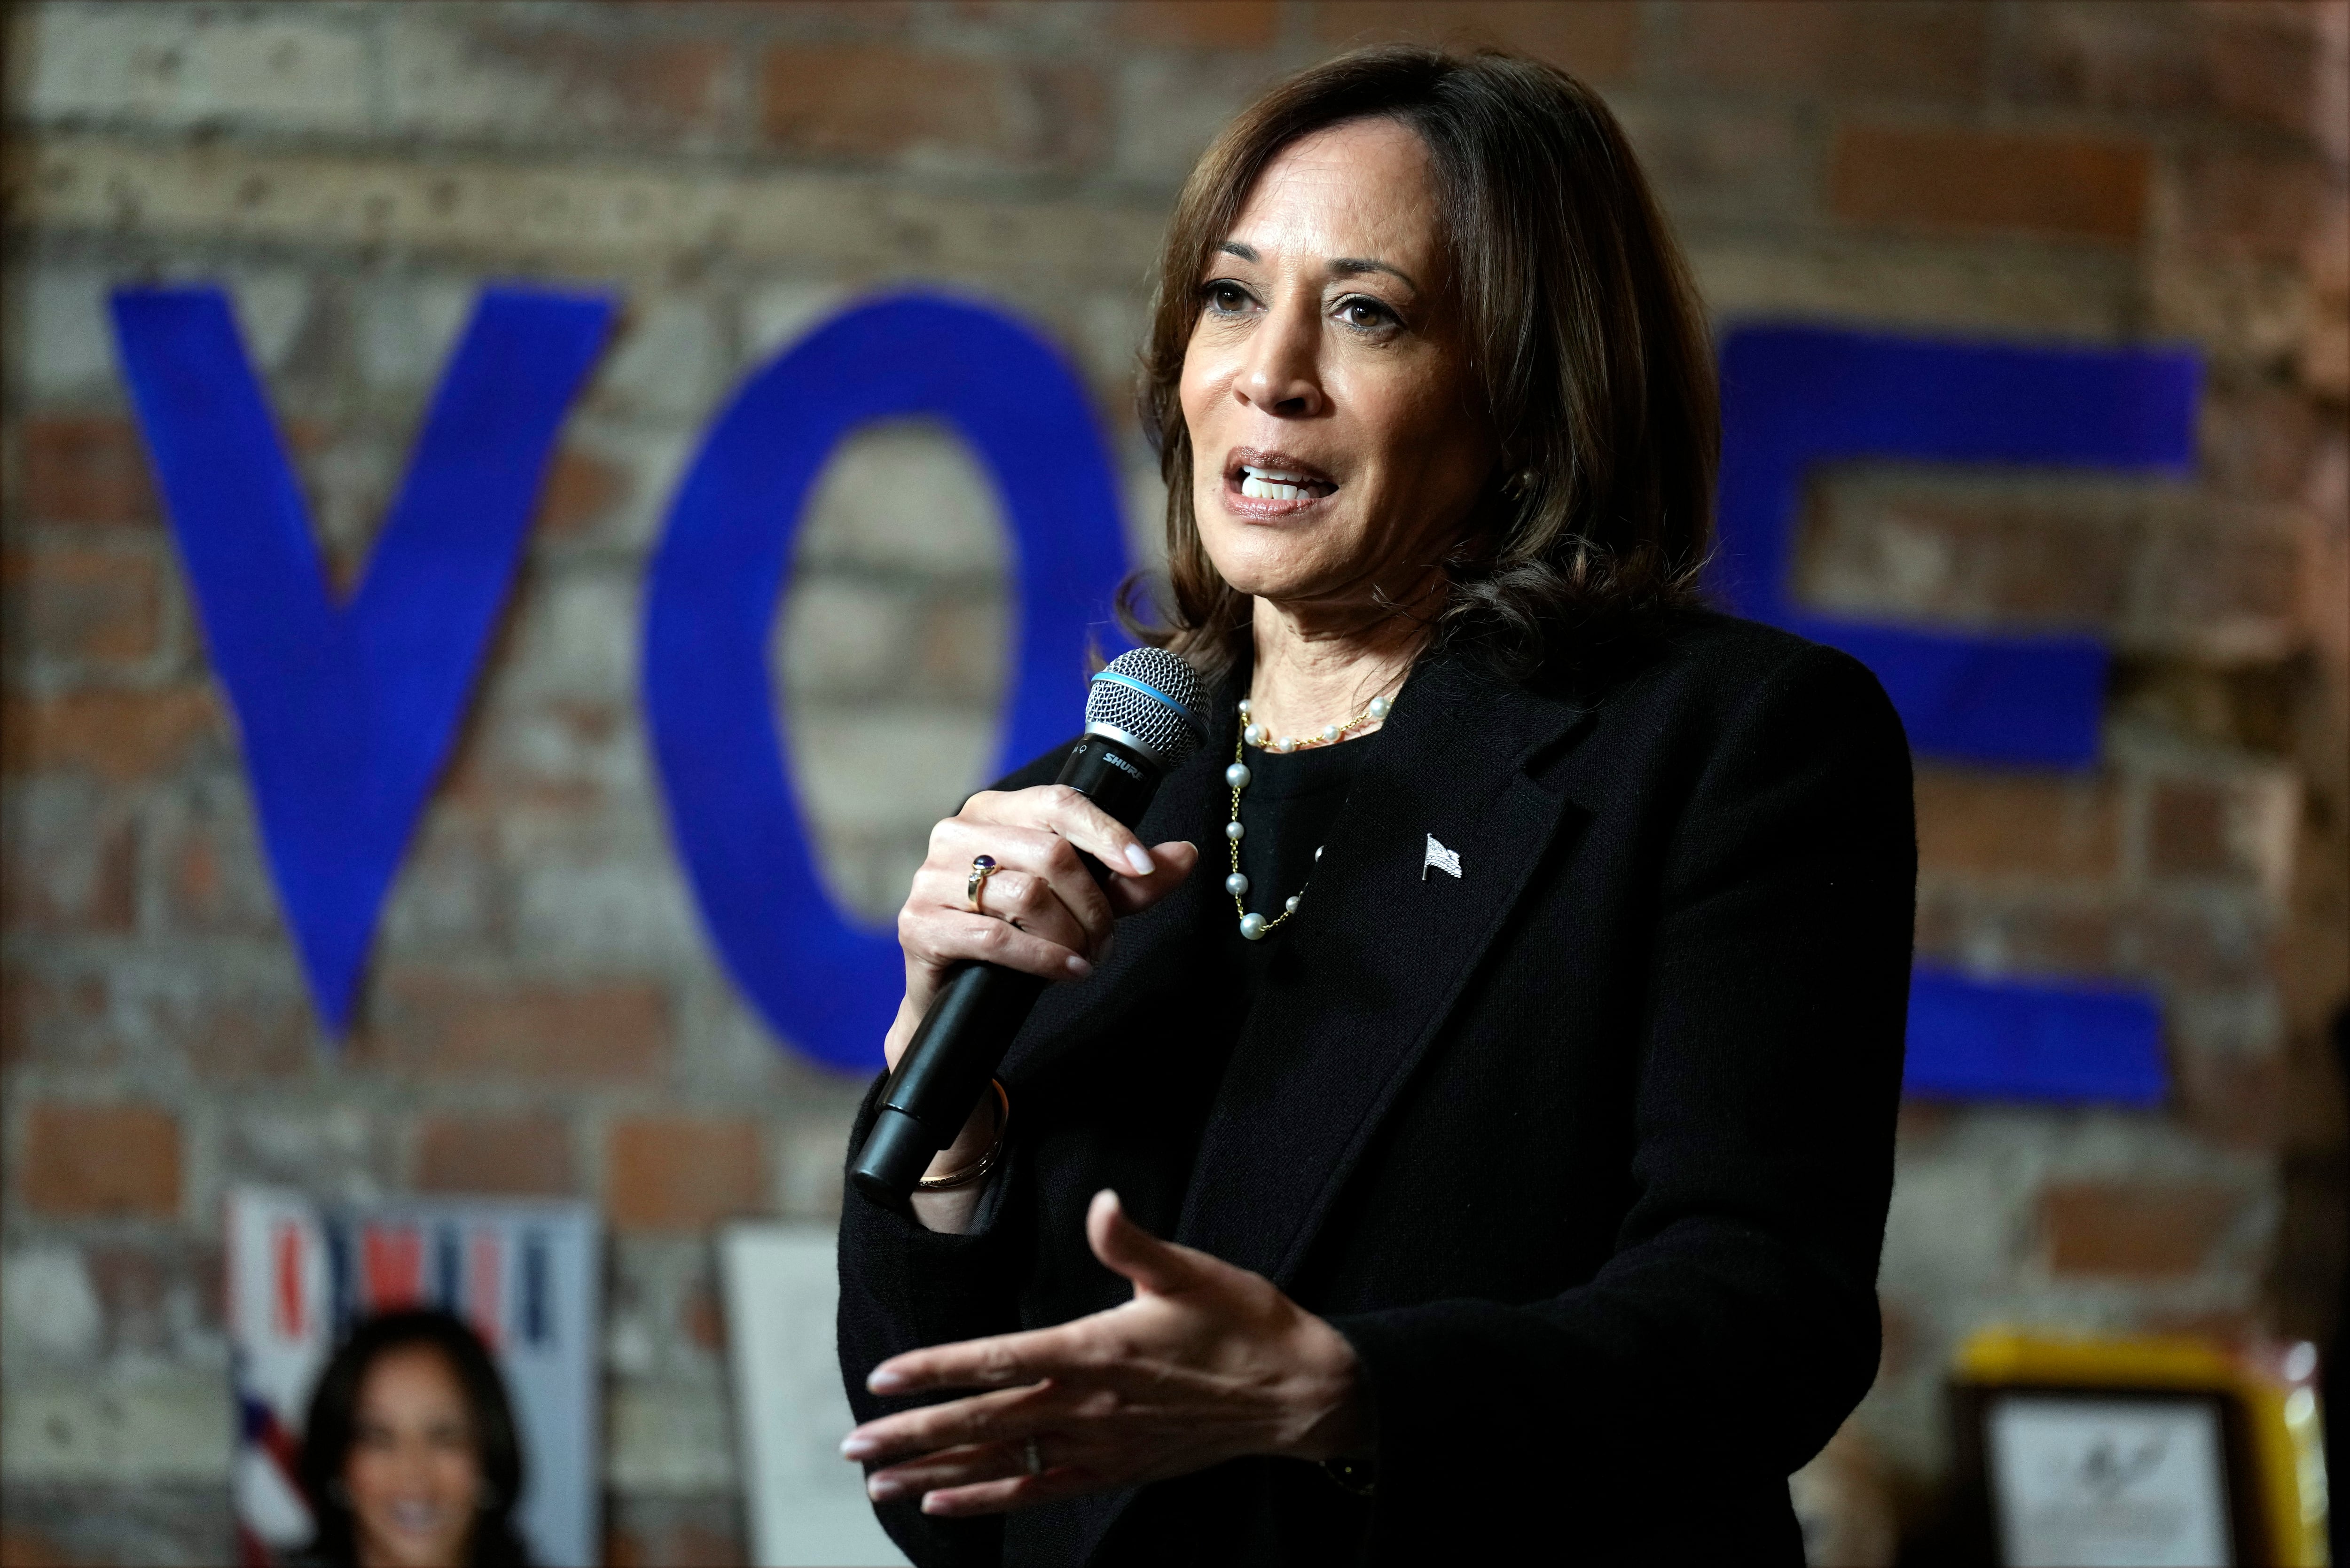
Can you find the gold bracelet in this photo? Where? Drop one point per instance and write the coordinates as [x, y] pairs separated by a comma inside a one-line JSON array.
[[978, 1170]]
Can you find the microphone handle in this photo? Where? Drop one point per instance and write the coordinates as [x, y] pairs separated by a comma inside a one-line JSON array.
[[980, 1006]]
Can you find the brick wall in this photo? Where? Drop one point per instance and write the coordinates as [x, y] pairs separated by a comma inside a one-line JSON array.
[[545, 1014]]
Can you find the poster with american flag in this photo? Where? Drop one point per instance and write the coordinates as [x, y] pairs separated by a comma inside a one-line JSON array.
[[522, 1274]]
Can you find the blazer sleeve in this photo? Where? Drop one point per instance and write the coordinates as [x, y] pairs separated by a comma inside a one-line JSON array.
[[904, 1286], [1735, 1324]]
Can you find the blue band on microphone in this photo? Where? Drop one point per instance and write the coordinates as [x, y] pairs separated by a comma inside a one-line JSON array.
[[1156, 695]]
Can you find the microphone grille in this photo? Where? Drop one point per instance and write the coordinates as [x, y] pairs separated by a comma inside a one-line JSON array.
[[1154, 697]]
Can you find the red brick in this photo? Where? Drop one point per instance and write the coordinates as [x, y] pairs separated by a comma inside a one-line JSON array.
[[213, 881], [2204, 944], [1978, 181], [2187, 831], [21, 1547], [86, 468], [97, 1160], [2263, 64], [123, 737], [880, 100], [2105, 56], [449, 1026], [525, 1155], [1930, 552], [703, 1323], [2257, 443], [78, 877], [1200, 24], [50, 1020], [2051, 938], [581, 491], [2258, 209], [683, 1173], [2236, 1098], [1598, 40], [104, 605], [236, 1040], [2206, 577], [2000, 824], [1908, 51], [2135, 1230], [673, 1543], [643, 87]]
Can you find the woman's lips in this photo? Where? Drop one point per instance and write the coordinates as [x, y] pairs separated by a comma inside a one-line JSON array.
[[1273, 484]]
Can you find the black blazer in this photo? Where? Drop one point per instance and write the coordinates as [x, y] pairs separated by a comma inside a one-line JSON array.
[[1587, 1152]]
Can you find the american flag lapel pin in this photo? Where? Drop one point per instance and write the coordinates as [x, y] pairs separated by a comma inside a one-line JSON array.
[[1443, 859]]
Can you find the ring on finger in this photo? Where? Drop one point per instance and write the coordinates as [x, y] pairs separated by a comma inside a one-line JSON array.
[[1034, 1456], [983, 866]]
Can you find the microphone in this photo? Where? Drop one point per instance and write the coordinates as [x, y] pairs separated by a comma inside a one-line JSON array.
[[1143, 719]]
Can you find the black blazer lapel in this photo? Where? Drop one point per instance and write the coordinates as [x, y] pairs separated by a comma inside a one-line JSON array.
[[1380, 951]]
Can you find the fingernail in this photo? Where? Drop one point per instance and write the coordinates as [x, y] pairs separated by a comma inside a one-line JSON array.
[[1079, 968], [881, 1488], [1139, 859], [935, 1503], [855, 1448], [884, 1381]]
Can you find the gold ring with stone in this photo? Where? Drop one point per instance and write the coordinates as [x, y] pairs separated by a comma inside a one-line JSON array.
[[983, 866]]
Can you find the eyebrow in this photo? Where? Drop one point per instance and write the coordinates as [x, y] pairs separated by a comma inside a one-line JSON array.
[[1343, 266]]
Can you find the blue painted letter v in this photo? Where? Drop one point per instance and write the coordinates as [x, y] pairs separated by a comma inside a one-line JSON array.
[[348, 711]]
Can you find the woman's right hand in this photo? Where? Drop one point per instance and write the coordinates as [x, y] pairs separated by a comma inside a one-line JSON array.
[[1041, 912]]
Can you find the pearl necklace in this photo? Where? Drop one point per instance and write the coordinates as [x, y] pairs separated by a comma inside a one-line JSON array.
[[1255, 925]]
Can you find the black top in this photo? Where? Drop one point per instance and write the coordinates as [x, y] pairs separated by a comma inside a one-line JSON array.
[[1585, 1151]]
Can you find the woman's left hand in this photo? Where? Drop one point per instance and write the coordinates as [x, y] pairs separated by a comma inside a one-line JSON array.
[[1207, 1362]]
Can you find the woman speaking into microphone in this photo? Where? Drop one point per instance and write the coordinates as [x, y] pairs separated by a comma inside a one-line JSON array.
[[1463, 1124]]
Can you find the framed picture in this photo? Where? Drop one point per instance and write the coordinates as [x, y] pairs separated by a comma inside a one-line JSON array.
[[807, 1503], [2136, 1451], [521, 1274], [2080, 1477]]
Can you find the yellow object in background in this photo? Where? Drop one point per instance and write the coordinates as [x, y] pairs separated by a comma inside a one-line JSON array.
[[2274, 1387]]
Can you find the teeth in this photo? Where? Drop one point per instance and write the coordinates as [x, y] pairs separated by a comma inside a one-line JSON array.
[[1274, 485], [1266, 490]]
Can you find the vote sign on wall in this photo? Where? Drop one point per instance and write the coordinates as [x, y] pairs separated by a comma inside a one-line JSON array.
[[347, 710]]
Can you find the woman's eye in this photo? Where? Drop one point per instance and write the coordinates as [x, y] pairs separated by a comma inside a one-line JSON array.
[[1227, 298], [1365, 315]]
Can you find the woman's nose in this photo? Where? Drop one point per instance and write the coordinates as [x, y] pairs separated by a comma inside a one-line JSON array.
[[1283, 376]]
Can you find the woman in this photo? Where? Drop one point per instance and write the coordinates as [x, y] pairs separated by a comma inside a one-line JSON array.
[[409, 1455], [1516, 1080]]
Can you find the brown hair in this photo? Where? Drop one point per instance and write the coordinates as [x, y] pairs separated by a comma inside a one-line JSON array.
[[1588, 343]]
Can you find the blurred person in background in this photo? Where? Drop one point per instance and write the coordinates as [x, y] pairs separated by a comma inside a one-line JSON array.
[[408, 1455], [1531, 1178]]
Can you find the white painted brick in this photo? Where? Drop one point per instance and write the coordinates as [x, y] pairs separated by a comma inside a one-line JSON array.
[[177, 65], [48, 1311], [839, 636], [630, 911], [577, 636], [172, 1427], [905, 497], [666, 359], [406, 327], [865, 770], [563, 213], [778, 315], [67, 349], [1170, 106]]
